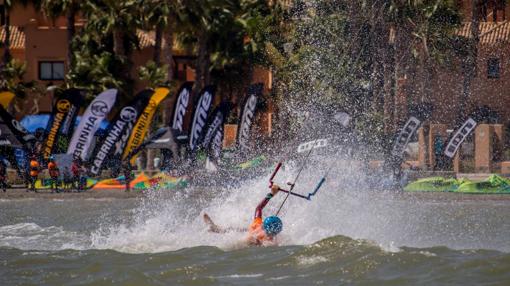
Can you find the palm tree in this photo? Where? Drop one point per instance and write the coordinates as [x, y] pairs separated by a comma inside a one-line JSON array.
[[7, 31], [469, 62], [118, 21]]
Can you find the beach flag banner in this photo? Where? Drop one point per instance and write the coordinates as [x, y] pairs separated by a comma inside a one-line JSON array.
[[217, 144], [247, 115], [118, 132], [12, 132], [6, 98], [181, 106], [201, 112], [61, 121], [404, 136], [459, 136], [143, 123], [217, 120], [97, 110]]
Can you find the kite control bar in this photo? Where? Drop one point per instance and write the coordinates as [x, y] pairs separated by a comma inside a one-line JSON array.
[[290, 192], [274, 174]]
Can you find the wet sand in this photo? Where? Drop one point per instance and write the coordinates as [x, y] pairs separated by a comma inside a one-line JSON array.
[[21, 193]]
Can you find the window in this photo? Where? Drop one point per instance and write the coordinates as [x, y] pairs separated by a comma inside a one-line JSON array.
[[492, 10], [493, 68], [51, 70], [2, 15]]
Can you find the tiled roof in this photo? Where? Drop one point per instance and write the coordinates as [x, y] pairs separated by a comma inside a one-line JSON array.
[[17, 37], [490, 32]]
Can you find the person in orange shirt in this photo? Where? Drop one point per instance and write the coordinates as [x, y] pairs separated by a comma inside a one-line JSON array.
[[54, 174], [261, 232], [264, 231], [34, 173]]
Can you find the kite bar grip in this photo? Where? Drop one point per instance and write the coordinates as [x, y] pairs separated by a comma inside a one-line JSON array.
[[294, 194], [319, 185], [274, 173]]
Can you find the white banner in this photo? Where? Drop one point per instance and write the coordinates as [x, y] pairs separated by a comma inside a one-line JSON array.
[[95, 113], [459, 137], [405, 135]]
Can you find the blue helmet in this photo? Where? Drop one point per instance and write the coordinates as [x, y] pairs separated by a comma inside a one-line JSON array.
[[273, 225], [51, 158]]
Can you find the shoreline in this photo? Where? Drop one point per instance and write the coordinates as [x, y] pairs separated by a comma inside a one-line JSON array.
[[21, 193]]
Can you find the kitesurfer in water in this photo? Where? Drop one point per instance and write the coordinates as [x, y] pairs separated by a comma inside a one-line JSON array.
[[260, 232]]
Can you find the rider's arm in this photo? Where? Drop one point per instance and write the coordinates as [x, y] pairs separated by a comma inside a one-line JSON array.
[[263, 203]]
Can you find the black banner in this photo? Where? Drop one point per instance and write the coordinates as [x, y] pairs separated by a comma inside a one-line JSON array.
[[118, 132], [201, 112], [217, 143], [59, 129], [247, 115], [218, 118], [181, 106], [13, 133]]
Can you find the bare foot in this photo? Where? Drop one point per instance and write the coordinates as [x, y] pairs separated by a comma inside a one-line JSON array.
[[212, 226]]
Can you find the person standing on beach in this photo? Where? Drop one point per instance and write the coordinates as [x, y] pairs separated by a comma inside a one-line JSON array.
[[77, 170], [3, 176], [127, 170], [54, 174], [67, 180], [34, 173]]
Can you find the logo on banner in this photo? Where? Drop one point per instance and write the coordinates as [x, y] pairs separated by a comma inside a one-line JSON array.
[[99, 108], [63, 105], [307, 146], [50, 141], [217, 142], [180, 109], [459, 137], [249, 112], [128, 114], [200, 117], [18, 126], [405, 135], [84, 135], [214, 126]]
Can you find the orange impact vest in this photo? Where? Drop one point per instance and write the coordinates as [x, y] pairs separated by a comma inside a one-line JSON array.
[[256, 233], [34, 168], [52, 168]]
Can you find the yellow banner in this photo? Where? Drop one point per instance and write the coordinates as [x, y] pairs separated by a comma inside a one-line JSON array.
[[6, 98], [144, 122]]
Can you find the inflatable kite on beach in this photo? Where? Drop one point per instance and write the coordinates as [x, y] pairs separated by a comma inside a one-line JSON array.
[[433, 184], [162, 181], [46, 183], [119, 182], [494, 184]]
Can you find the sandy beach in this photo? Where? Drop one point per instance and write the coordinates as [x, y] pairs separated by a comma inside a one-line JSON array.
[[21, 193]]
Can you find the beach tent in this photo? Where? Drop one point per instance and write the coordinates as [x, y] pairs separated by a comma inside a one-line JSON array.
[[33, 122], [494, 184], [434, 184]]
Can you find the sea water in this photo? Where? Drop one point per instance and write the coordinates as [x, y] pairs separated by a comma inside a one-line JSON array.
[[347, 234]]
